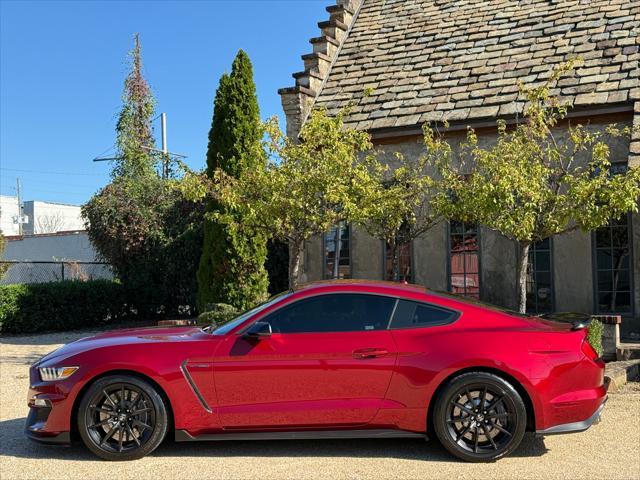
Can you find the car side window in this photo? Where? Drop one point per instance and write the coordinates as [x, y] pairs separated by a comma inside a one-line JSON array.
[[341, 312], [417, 315]]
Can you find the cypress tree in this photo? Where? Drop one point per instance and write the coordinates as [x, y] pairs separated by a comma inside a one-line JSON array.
[[232, 263]]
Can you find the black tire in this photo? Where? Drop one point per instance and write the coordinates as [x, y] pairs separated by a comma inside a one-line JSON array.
[[122, 417], [479, 417]]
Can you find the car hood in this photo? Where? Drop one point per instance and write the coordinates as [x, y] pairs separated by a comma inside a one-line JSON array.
[[125, 337]]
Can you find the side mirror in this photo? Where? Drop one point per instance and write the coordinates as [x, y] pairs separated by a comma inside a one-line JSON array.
[[258, 330]]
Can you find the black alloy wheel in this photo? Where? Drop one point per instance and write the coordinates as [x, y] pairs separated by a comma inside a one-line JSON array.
[[122, 418], [479, 417]]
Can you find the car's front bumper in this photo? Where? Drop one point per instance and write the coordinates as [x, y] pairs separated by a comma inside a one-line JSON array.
[[575, 427], [35, 424]]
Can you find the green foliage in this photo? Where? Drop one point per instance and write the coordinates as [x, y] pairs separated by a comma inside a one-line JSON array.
[[3, 266], [152, 237], [530, 185], [594, 335], [217, 314], [37, 307], [231, 268], [134, 132], [397, 201], [304, 189]]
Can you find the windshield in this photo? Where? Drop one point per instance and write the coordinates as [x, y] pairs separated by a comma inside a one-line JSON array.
[[230, 325]]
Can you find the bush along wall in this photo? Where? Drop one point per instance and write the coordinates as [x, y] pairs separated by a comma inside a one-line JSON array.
[[68, 305]]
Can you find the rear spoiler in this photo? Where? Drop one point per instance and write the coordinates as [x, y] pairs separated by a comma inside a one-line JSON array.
[[578, 321]]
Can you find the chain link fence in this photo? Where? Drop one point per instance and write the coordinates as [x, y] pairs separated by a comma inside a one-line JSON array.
[[40, 272]]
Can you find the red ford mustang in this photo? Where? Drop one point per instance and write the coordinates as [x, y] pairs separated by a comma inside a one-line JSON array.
[[330, 360]]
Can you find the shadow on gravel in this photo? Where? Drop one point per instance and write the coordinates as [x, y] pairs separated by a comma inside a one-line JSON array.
[[15, 444]]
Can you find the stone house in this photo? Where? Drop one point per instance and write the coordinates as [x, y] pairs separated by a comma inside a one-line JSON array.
[[461, 60]]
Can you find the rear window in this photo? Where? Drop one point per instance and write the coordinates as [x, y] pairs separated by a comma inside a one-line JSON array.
[[418, 315]]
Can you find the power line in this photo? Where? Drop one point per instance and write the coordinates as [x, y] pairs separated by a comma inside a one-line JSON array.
[[49, 172]]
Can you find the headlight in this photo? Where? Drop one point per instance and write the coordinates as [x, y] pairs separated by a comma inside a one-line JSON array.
[[51, 374]]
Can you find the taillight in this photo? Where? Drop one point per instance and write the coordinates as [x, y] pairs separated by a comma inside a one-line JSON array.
[[588, 350]]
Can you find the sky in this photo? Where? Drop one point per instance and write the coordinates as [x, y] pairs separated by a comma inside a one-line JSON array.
[[63, 63]]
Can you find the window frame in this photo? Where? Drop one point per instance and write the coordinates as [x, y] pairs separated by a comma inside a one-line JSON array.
[[411, 278], [454, 315], [449, 273], [594, 272], [552, 280], [263, 315], [324, 255]]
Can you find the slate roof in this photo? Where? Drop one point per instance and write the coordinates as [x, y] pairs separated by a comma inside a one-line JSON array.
[[430, 60]]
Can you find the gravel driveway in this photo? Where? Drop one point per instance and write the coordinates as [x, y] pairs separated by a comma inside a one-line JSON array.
[[608, 450]]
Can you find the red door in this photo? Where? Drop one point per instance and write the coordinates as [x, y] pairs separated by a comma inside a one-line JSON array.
[[302, 376]]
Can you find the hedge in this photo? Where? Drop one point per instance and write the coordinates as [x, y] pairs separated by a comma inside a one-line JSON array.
[[67, 305], [217, 314], [594, 335]]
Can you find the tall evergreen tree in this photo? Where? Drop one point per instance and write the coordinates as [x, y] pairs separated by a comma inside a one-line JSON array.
[[232, 263], [134, 132]]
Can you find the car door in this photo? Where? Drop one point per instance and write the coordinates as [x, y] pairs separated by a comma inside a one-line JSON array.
[[327, 363]]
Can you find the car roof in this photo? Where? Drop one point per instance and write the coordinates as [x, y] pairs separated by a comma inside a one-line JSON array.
[[365, 284]]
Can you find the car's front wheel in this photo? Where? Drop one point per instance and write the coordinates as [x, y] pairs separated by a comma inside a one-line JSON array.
[[479, 417], [122, 417]]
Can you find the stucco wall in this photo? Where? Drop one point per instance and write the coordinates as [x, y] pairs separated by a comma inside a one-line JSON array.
[[366, 255], [573, 272], [572, 253], [60, 247], [498, 268]]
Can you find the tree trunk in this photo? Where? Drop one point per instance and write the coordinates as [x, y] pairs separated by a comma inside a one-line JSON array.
[[395, 261], [336, 255], [523, 262], [295, 251]]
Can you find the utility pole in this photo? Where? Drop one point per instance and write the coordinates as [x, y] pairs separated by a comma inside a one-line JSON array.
[[165, 154], [19, 195], [165, 151]]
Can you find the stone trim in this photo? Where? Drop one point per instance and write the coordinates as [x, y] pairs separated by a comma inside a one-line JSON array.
[[297, 101], [608, 319]]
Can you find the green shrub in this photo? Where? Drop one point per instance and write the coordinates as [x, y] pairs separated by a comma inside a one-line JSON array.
[[594, 335], [153, 238], [217, 314], [64, 305]]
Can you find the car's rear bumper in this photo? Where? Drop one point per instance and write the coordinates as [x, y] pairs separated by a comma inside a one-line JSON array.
[[575, 427]]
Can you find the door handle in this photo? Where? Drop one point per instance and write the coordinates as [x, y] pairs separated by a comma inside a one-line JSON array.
[[364, 353]]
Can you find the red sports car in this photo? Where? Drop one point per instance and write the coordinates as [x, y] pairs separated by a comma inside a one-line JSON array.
[[330, 360]]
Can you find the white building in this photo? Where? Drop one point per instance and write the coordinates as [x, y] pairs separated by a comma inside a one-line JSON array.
[[48, 217], [39, 217], [9, 212]]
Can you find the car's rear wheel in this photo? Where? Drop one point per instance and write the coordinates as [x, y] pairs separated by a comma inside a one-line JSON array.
[[122, 417], [479, 417]]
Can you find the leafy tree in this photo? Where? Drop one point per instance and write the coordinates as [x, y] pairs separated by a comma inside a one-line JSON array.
[[232, 264], [304, 189], [134, 132], [152, 238], [398, 205], [145, 229], [3, 244], [530, 185]]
